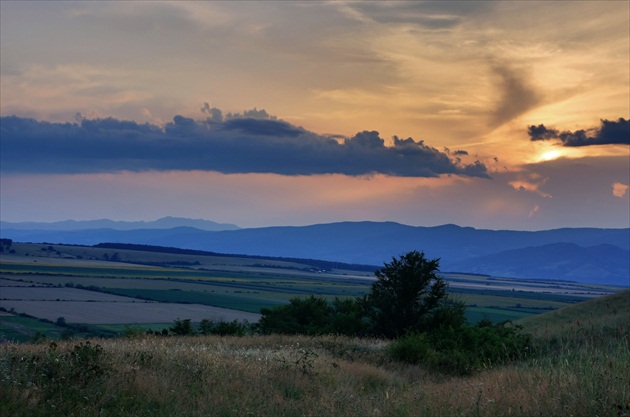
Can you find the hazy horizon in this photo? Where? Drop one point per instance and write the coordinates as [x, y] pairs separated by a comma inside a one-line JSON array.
[[239, 227]]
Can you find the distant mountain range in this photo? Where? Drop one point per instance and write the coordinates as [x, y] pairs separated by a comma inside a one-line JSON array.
[[575, 254], [163, 223]]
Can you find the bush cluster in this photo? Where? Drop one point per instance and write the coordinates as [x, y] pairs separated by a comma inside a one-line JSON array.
[[184, 327], [314, 316], [224, 328], [73, 374], [463, 350]]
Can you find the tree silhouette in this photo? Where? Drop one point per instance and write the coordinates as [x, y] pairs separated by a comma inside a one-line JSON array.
[[409, 296]]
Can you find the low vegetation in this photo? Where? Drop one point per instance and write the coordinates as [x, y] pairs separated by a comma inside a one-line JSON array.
[[464, 350], [403, 349], [293, 375]]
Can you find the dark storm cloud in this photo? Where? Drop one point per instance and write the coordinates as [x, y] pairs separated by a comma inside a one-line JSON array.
[[608, 133], [233, 145]]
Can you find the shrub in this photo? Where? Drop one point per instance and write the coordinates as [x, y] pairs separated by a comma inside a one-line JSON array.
[[463, 350], [225, 328], [133, 332], [414, 349], [310, 315], [62, 378], [182, 328]]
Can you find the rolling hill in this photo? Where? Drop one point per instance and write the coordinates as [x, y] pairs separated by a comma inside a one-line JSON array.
[[594, 318]]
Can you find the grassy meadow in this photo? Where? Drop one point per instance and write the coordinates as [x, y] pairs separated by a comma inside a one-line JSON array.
[[580, 366]]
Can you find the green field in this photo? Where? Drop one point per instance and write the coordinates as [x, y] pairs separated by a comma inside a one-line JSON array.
[[30, 329], [13, 327]]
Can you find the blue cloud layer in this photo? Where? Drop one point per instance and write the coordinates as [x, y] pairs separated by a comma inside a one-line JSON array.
[[235, 144], [608, 133]]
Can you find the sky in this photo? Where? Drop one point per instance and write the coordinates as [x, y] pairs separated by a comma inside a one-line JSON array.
[[489, 114]]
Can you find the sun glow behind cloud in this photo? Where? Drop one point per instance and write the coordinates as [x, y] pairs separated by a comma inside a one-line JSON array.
[[544, 152], [550, 155]]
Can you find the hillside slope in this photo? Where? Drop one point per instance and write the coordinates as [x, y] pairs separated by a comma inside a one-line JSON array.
[[567, 260], [598, 317]]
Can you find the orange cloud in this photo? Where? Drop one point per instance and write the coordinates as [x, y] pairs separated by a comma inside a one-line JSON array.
[[533, 211], [620, 189], [531, 184]]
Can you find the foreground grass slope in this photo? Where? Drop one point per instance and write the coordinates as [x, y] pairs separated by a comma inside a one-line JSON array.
[[593, 318], [573, 373]]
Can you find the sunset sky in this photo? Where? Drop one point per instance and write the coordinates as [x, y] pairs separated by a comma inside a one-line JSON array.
[[490, 114]]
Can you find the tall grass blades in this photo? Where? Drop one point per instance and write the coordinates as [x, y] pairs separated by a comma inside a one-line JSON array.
[[300, 376]]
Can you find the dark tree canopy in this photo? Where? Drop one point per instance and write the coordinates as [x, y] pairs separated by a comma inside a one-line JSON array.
[[409, 296], [309, 315], [313, 315]]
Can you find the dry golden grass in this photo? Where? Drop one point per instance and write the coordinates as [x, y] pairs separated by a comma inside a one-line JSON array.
[[304, 376]]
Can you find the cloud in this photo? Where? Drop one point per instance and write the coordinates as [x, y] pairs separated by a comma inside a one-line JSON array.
[[262, 127], [252, 142], [620, 189], [540, 132], [429, 15], [517, 96], [608, 133], [214, 114], [252, 114], [531, 186], [533, 211]]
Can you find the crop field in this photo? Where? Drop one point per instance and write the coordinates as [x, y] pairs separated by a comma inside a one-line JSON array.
[[130, 312], [91, 307], [77, 284]]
